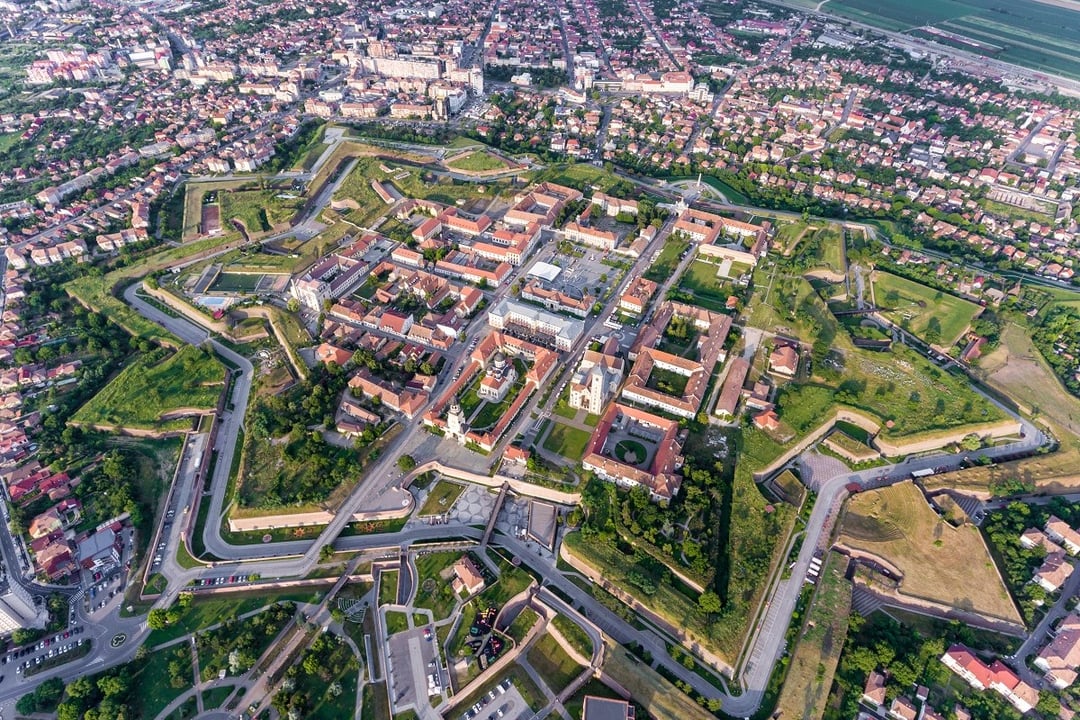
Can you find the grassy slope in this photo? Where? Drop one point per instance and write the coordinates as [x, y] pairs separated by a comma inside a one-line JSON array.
[[142, 393], [939, 562], [818, 651]]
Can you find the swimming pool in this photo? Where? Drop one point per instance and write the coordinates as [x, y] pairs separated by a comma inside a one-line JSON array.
[[213, 302]]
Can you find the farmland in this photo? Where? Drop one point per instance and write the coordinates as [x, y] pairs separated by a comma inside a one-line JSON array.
[[939, 562], [934, 316], [1027, 32]]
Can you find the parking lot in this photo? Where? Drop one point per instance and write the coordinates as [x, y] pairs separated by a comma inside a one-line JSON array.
[[31, 655], [582, 273], [414, 668], [504, 701]]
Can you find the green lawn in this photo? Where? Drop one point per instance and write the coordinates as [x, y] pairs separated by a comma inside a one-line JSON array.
[[249, 637], [215, 696], [441, 498], [573, 633], [625, 448], [512, 580], [259, 210], [817, 651], [553, 663], [434, 575], [457, 642], [388, 587], [206, 611], [788, 234], [337, 667], [701, 279], [522, 624], [933, 315], [570, 442], [411, 181], [152, 689], [664, 265], [376, 706], [478, 161], [396, 622], [151, 386]]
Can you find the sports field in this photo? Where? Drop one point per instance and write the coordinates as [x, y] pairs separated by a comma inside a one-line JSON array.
[[1040, 35], [939, 562], [934, 316]]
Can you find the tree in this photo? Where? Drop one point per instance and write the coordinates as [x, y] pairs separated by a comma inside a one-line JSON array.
[[27, 704], [971, 442], [1048, 706], [68, 711], [326, 553], [709, 602], [293, 305], [80, 688], [112, 686], [406, 462], [158, 619]]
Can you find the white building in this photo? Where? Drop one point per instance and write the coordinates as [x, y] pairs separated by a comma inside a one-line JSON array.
[[595, 380], [17, 610], [555, 329]]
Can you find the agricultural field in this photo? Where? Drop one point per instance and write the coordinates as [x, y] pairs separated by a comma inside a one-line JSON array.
[[939, 562], [477, 162], [1038, 35], [817, 651], [934, 316], [153, 386]]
